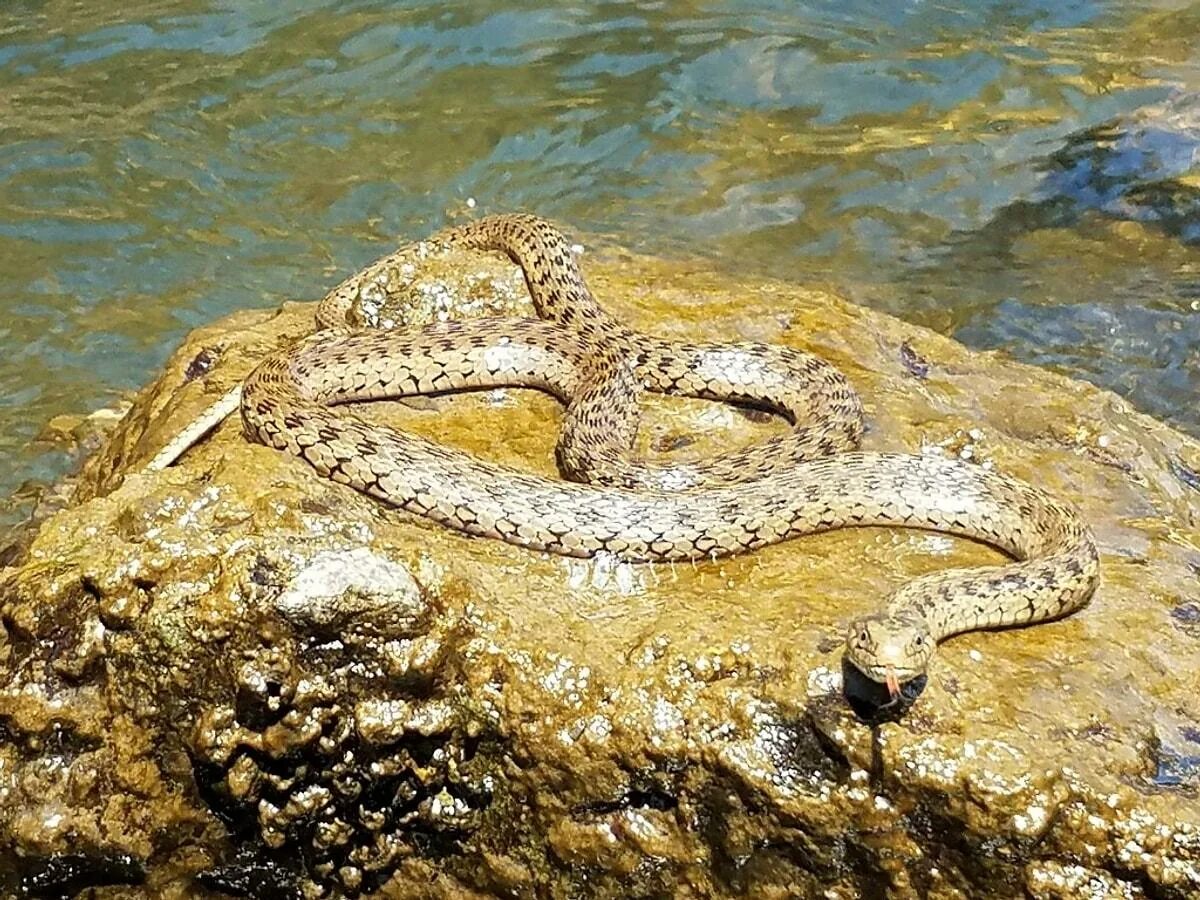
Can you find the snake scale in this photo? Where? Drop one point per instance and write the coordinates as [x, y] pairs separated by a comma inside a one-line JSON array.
[[807, 481]]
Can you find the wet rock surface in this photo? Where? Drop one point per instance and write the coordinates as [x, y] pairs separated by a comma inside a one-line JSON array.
[[237, 678]]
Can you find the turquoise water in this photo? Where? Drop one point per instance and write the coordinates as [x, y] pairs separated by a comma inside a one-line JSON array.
[[163, 163]]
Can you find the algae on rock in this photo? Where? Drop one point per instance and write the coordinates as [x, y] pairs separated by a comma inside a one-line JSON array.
[[239, 672]]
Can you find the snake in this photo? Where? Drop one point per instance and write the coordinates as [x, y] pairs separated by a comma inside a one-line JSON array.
[[811, 479]]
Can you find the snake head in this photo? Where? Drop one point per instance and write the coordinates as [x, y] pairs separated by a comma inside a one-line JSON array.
[[892, 648]]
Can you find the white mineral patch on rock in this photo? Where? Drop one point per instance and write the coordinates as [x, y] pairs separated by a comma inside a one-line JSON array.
[[338, 586]]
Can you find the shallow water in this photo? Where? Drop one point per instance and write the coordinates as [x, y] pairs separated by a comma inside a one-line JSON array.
[[162, 163]]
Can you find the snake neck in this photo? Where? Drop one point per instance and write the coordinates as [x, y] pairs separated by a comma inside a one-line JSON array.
[[551, 270], [1044, 585]]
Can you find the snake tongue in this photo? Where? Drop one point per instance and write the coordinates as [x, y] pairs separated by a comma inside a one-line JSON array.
[[893, 683]]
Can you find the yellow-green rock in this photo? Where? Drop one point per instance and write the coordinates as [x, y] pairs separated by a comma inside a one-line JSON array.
[[236, 671]]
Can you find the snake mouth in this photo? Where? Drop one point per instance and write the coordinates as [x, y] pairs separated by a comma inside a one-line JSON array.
[[894, 678]]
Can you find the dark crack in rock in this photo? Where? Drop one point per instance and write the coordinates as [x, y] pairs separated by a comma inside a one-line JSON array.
[[66, 874], [258, 878]]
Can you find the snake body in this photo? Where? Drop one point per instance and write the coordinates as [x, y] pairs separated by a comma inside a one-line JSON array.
[[807, 481], [598, 366]]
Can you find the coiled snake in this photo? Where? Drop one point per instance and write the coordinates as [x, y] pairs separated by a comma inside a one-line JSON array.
[[807, 481]]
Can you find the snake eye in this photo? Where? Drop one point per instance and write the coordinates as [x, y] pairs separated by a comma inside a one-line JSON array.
[[919, 640], [864, 637]]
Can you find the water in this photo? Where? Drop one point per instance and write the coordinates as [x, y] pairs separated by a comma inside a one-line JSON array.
[[162, 163]]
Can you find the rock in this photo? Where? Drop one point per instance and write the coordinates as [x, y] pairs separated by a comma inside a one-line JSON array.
[[238, 675], [1141, 170], [84, 432]]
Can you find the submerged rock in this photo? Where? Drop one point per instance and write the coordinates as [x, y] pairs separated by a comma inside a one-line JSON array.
[[1144, 167], [238, 676]]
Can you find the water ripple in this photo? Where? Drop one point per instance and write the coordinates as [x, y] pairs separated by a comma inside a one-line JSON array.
[[165, 161]]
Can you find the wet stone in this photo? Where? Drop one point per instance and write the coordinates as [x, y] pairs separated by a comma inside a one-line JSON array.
[[1187, 618], [1139, 168], [237, 676], [1175, 756], [339, 589], [202, 363], [913, 362]]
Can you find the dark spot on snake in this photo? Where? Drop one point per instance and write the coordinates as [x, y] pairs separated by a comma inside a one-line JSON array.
[[914, 362], [202, 363], [1184, 473], [66, 874]]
